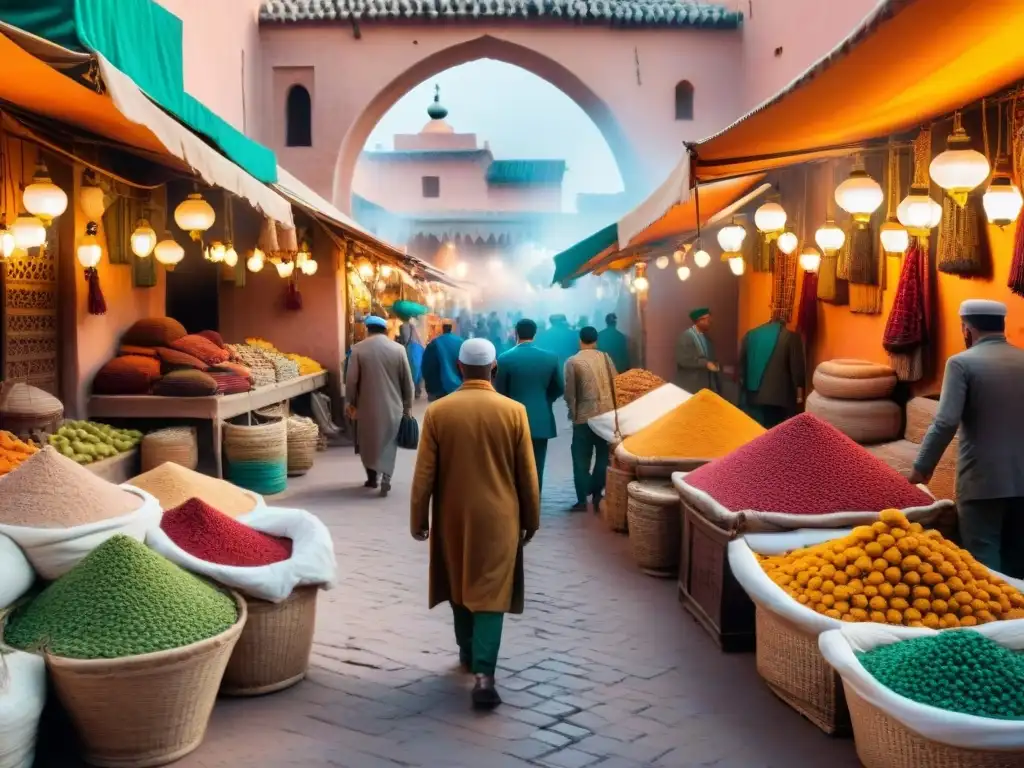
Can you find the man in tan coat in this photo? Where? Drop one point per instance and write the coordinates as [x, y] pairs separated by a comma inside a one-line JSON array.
[[588, 393], [475, 463]]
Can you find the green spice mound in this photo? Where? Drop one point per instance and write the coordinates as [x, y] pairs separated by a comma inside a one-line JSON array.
[[121, 600], [957, 670]]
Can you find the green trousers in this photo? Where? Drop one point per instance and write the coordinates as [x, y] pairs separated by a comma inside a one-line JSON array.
[[587, 447], [478, 635], [540, 453]]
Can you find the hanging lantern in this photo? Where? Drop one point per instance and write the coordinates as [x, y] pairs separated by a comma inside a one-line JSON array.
[[7, 243], [770, 219], [385, 271], [787, 242], [959, 169], [89, 251], [285, 269], [168, 252], [365, 269], [894, 236], [1002, 200], [860, 195], [810, 259], [309, 267], [640, 281], [702, 258], [737, 265], [919, 213], [255, 262], [683, 273], [43, 198], [679, 257], [194, 215], [661, 262], [461, 270], [91, 197], [829, 237], [381, 286], [215, 252], [143, 239], [731, 237], [28, 231], [230, 256]]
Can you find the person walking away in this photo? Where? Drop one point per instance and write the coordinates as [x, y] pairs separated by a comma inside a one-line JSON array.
[[475, 496], [441, 364], [532, 376], [588, 393], [379, 387], [614, 343], [772, 373], [409, 337], [981, 397], [495, 332], [696, 363], [559, 338]]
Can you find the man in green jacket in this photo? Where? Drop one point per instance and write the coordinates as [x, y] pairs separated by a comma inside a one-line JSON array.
[[533, 377], [614, 343]]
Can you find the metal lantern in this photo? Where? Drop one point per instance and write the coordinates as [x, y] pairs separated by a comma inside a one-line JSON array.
[[731, 237], [309, 267], [28, 231], [194, 215], [918, 212], [860, 195], [640, 281], [737, 265], [91, 198], [89, 250], [787, 242], [143, 239], [810, 259], [959, 169], [894, 236], [169, 253], [285, 269], [683, 273], [7, 243], [230, 255], [679, 256], [770, 218], [661, 262], [829, 237], [702, 258], [215, 252], [43, 198], [1002, 200]]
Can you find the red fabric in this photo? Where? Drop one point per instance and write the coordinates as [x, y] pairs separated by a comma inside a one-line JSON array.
[[201, 347], [210, 535], [126, 375], [173, 360], [1015, 282], [807, 314], [97, 303], [805, 467], [907, 326], [236, 368], [230, 383]]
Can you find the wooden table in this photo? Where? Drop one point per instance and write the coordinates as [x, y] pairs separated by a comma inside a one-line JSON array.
[[213, 409]]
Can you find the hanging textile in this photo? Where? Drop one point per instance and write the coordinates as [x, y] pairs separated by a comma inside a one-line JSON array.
[[907, 328], [764, 253], [843, 257], [830, 287], [1016, 115], [784, 269], [1016, 280], [963, 248], [118, 225], [807, 315]]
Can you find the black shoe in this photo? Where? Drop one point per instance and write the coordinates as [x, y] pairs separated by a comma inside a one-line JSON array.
[[579, 506], [485, 695], [597, 502], [385, 486], [371, 479], [466, 662]]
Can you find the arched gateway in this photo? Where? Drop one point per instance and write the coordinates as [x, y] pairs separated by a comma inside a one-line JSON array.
[[622, 61]]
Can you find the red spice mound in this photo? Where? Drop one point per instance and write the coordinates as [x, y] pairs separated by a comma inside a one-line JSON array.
[[203, 532], [805, 467]]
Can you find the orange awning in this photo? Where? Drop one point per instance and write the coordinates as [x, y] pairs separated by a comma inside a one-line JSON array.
[[907, 63]]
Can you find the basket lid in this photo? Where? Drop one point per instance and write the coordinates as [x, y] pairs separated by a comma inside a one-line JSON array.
[[20, 399]]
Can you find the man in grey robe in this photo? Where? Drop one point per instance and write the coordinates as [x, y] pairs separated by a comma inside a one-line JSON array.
[[379, 389], [696, 364], [981, 395]]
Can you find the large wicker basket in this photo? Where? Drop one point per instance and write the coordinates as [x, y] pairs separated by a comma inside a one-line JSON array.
[[26, 410], [789, 661], [707, 587], [177, 445], [303, 436], [257, 456], [616, 499], [654, 527], [884, 742], [273, 651], [145, 710]]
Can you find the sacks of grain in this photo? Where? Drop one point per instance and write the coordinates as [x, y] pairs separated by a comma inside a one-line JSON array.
[[22, 697], [18, 574], [636, 415]]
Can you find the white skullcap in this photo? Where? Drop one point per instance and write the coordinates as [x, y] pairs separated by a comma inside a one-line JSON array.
[[974, 307], [380, 322], [478, 352]]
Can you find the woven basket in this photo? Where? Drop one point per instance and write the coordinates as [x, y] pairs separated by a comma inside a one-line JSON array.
[[256, 442], [864, 388], [884, 742], [145, 710], [616, 499], [303, 436], [273, 652], [25, 409], [655, 466], [920, 415], [177, 445], [864, 421], [655, 528], [789, 661]]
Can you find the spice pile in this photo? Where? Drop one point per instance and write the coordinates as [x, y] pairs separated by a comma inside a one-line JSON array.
[[307, 365], [704, 427], [51, 491], [259, 366], [895, 572], [173, 485], [634, 384], [209, 535], [121, 600], [956, 671], [85, 442], [13, 452], [805, 467]]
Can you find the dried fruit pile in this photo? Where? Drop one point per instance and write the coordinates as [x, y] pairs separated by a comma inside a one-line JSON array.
[[634, 384], [704, 427], [957, 671], [895, 572], [85, 442], [13, 452], [122, 599], [805, 467], [209, 535]]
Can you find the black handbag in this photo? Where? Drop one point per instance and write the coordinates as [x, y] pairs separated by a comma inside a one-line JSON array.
[[408, 433]]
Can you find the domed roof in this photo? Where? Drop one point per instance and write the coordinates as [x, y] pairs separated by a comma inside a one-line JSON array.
[[437, 126], [437, 112]]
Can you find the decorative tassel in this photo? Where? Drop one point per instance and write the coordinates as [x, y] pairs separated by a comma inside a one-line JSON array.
[[963, 248], [831, 288], [863, 267], [783, 285], [868, 299], [807, 315], [293, 299], [843, 258], [764, 251], [907, 328], [97, 304], [1016, 280]]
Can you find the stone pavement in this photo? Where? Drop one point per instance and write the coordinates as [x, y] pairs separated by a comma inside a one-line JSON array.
[[604, 669]]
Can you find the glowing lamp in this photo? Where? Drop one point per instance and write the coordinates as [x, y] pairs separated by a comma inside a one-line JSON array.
[[679, 257], [365, 270], [90, 199], [770, 218], [461, 270], [787, 242], [89, 251], [918, 212], [309, 267], [215, 252], [894, 236], [737, 265], [1002, 200], [810, 259], [860, 195], [731, 237], [230, 255], [194, 215], [169, 253], [661, 262], [385, 271], [143, 239], [43, 198], [702, 258], [829, 237], [28, 232], [255, 262], [640, 281], [959, 169], [7, 243], [285, 269], [683, 273]]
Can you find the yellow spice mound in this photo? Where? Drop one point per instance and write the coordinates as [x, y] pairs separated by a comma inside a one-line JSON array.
[[895, 572], [704, 427]]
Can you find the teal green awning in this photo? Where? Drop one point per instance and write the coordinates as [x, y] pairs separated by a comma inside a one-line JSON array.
[[570, 260], [143, 40]]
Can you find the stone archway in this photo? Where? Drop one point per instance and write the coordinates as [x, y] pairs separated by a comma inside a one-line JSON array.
[[487, 47]]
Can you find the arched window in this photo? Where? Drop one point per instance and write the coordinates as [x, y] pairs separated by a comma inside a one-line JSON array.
[[684, 100], [298, 118]]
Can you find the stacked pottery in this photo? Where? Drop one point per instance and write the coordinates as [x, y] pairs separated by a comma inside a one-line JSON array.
[[855, 397]]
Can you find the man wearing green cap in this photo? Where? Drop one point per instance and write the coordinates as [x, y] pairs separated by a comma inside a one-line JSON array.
[[696, 363]]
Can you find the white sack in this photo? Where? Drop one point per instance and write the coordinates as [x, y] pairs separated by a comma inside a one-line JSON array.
[[55, 551], [17, 574], [312, 561], [22, 696], [953, 728], [645, 410]]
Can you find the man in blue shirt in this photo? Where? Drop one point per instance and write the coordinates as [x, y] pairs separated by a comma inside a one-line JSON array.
[[441, 363]]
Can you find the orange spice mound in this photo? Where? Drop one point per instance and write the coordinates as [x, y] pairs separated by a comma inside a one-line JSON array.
[[634, 384], [704, 427]]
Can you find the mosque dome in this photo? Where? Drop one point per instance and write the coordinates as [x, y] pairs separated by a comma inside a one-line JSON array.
[[437, 113]]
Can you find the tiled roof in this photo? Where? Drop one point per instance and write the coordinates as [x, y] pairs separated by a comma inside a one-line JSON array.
[[526, 172], [629, 13]]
